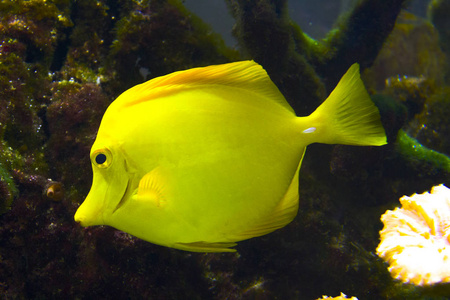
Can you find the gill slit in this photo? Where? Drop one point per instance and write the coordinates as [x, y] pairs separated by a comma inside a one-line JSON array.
[[122, 200]]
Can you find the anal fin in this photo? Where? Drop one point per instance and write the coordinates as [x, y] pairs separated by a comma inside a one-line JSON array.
[[282, 215], [206, 247]]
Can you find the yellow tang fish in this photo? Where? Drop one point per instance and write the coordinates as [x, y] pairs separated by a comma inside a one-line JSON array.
[[200, 159]]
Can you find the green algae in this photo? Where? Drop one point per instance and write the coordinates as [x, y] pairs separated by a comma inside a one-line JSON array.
[[8, 189], [27, 34], [18, 101], [87, 42], [15, 168], [34, 24], [356, 37], [432, 125], [425, 161]]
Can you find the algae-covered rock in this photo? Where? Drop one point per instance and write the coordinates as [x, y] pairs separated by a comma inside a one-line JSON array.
[[425, 161], [58, 73], [439, 11], [82, 48], [412, 50], [304, 68], [432, 126], [158, 37], [8, 189], [73, 117], [21, 88], [27, 35]]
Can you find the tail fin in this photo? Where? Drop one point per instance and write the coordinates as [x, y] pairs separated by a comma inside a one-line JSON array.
[[348, 116]]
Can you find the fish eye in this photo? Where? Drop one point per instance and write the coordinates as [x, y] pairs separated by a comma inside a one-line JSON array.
[[101, 158]]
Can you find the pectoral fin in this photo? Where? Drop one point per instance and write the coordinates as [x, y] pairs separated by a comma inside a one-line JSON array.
[[152, 188]]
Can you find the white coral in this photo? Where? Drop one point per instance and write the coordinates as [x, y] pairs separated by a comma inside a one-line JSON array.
[[415, 238], [341, 297]]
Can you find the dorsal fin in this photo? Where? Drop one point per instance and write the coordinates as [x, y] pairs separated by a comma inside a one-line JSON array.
[[244, 74]]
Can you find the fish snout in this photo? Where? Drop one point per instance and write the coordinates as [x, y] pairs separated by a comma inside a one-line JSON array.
[[80, 220], [87, 215]]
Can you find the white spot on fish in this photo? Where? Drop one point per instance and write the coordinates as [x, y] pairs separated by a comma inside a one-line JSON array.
[[309, 130]]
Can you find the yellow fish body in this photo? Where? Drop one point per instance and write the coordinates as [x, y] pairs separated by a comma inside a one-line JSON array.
[[200, 159]]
